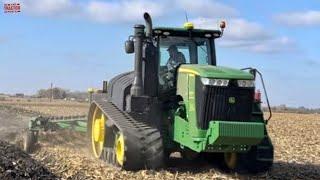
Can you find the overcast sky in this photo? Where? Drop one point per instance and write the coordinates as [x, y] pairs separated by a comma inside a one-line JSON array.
[[77, 44]]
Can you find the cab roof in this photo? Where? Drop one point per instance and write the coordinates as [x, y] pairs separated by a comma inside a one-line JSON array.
[[168, 31]]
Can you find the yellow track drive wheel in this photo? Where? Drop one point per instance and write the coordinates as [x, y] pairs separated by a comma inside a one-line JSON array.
[[231, 160], [120, 149], [98, 131]]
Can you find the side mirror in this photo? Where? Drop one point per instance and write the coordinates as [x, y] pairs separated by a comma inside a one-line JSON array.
[[129, 46]]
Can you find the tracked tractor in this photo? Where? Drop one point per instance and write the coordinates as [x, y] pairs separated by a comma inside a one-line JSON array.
[[177, 99]]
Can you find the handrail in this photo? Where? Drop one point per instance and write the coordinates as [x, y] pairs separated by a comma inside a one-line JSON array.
[[254, 71]]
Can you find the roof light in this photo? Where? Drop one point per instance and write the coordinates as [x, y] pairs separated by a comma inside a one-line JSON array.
[[188, 25], [222, 24]]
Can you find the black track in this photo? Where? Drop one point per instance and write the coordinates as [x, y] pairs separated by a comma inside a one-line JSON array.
[[143, 143]]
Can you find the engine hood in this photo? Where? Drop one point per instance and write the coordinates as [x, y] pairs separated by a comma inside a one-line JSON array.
[[219, 72]]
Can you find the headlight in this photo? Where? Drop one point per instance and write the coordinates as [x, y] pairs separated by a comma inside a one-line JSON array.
[[245, 83], [215, 82]]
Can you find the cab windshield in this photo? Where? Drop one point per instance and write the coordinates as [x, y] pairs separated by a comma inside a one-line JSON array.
[[175, 50], [194, 50]]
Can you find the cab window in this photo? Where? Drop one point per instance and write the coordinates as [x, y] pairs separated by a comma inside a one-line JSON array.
[[180, 50]]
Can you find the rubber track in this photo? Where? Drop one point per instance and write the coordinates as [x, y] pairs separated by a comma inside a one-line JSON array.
[[144, 146]]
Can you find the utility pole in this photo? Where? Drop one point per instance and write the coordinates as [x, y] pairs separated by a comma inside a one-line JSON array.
[[51, 91]]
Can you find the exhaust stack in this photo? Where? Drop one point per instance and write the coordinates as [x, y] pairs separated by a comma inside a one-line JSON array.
[[137, 85], [139, 35], [148, 21]]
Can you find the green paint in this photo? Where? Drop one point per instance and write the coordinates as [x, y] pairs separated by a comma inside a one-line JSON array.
[[183, 136], [218, 72], [235, 133], [82, 127], [221, 136], [76, 123]]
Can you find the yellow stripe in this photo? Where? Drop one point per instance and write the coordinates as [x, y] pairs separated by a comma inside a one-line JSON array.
[[188, 71]]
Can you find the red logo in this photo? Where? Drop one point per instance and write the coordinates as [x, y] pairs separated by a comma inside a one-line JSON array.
[[11, 7]]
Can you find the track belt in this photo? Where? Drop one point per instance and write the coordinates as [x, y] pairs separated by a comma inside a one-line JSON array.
[[144, 146]]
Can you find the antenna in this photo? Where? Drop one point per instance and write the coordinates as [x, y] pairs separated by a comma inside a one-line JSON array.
[[186, 16], [187, 25]]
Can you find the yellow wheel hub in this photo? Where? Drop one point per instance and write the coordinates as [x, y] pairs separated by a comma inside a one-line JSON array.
[[119, 149], [98, 132], [231, 159]]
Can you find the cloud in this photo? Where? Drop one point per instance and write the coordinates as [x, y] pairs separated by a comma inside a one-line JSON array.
[[206, 8], [54, 8], [240, 33], [246, 35], [306, 18], [93, 10], [274, 45], [122, 10], [237, 29]]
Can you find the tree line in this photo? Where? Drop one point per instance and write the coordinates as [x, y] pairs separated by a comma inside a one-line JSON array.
[[60, 93]]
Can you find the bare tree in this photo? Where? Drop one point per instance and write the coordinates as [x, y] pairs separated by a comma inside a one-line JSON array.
[[56, 93]]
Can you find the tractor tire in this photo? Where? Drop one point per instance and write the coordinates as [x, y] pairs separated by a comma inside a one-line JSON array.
[[245, 162], [29, 141], [258, 159], [122, 140], [253, 165], [233, 161], [228, 161]]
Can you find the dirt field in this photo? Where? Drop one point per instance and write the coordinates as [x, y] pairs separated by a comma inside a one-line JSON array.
[[12, 121], [64, 155], [44, 107]]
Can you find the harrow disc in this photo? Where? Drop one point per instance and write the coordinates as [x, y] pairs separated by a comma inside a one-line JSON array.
[[29, 141]]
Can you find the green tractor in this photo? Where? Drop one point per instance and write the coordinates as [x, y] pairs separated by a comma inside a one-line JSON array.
[[178, 100]]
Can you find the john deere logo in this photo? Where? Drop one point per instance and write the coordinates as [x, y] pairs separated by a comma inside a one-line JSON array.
[[232, 100]]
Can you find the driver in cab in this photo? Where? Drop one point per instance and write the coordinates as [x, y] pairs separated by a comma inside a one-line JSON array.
[[176, 58]]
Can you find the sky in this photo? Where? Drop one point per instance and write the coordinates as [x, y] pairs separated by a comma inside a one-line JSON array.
[[78, 44]]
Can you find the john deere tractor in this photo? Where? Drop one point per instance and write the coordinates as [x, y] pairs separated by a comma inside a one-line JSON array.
[[178, 99]]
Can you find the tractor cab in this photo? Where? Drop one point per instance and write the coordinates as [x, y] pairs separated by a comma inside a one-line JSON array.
[[177, 46], [160, 51]]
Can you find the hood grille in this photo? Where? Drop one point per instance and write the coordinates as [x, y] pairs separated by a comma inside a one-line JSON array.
[[230, 103]]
